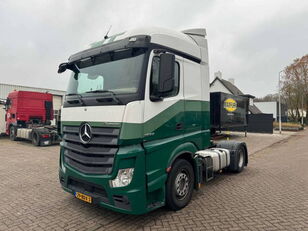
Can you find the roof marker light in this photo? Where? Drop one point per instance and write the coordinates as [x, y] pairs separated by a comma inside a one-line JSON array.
[[132, 39]]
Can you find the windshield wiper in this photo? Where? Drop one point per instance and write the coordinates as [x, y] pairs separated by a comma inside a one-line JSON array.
[[79, 97], [114, 96]]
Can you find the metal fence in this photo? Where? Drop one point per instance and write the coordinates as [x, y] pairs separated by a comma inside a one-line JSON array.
[[258, 123]]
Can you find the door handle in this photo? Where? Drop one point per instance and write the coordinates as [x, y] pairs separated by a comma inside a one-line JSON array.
[[179, 126]]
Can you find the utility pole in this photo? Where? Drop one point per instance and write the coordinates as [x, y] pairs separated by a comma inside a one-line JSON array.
[[279, 106], [303, 110]]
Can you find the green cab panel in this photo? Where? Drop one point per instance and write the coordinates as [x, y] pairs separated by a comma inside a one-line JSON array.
[[130, 199]]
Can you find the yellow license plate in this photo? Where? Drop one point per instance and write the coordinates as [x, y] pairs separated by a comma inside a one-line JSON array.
[[83, 197]]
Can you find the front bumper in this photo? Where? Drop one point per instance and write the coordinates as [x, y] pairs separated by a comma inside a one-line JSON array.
[[130, 199]]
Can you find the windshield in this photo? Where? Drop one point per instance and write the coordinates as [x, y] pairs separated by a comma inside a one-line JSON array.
[[117, 72]]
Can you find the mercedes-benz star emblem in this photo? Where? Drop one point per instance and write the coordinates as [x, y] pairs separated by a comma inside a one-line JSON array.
[[85, 133]]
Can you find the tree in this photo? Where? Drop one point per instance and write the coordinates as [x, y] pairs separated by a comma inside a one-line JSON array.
[[267, 98], [295, 87]]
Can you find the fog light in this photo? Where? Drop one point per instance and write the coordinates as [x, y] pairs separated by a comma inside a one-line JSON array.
[[123, 178]]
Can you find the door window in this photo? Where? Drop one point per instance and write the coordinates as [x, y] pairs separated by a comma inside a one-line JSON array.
[[155, 75]]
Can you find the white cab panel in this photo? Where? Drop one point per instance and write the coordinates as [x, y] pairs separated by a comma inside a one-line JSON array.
[[134, 112], [192, 80], [166, 37], [94, 113]]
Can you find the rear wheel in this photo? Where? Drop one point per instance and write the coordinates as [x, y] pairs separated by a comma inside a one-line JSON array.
[[180, 184], [13, 132], [238, 155], [240, 159], [35, 139]]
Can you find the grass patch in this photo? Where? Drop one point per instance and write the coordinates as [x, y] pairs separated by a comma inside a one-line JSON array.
[[288, 126]]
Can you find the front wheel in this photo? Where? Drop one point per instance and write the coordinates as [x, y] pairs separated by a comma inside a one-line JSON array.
[[13, 132], [180, 183]]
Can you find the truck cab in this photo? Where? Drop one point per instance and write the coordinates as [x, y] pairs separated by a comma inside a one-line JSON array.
[[135, 114], [28, 116], [23, 107]]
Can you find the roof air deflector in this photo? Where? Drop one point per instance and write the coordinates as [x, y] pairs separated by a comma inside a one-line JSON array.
[[197, 31]]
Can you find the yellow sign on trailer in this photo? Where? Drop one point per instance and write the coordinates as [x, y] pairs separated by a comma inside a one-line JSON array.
[[230, 105]]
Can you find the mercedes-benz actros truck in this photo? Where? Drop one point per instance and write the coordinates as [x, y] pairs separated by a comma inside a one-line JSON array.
[[136, 122]]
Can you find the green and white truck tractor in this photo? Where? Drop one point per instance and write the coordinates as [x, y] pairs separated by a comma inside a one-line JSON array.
[[136, 122]]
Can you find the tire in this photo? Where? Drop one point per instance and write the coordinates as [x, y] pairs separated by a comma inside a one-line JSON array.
[[13, 132], [35, 139], [180, 185], [239, 155], [240, 159]]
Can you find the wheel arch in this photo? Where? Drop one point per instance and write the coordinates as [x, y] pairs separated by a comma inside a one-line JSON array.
[[184, 151]]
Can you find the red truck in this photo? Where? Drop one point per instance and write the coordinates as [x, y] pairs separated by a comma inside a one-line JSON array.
[[28, 115]]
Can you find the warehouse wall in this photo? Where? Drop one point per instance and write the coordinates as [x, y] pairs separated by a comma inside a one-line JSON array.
[[57, 102], [2, 119]]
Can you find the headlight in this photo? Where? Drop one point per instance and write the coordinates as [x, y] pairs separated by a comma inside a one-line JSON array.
[[123, 178]]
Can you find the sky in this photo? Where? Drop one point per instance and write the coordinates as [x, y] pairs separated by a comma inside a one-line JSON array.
[[249, 40]]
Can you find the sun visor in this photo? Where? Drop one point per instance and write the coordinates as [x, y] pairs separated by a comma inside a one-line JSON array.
[[141, 41]]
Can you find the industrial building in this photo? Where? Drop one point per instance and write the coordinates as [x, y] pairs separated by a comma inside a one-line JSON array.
[[58, 95]]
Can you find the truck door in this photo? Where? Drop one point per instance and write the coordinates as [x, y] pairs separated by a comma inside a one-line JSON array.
[[164, 118], [163, 127]]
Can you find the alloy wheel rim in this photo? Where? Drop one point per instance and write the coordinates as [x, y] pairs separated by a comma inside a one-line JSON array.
[[182, 185]]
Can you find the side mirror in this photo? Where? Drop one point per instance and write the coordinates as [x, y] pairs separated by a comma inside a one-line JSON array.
[[7, 104], [166, 74], [62, 67]]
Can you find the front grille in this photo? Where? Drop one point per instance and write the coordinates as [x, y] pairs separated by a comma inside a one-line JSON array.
[[97, 156]]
